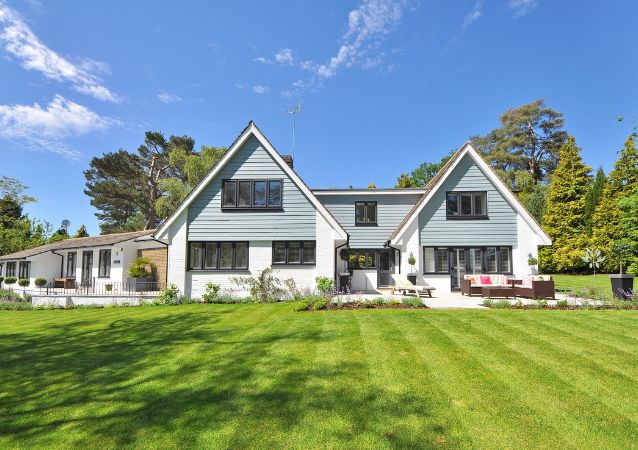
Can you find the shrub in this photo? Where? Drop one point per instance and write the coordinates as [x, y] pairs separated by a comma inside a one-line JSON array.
[[212, 293], [108, 287], [1, 280], [301, 306], [24, 282], [320, 304], [501, 304], [540, 303], [16, 306], [11, 296], [168, 296], [141, 267], [519, 304], [10, 280], [487, 302], [325, 285], [412, 301], [263, 288], [379, 301], [40, 282], [562, 304], [293, 291]]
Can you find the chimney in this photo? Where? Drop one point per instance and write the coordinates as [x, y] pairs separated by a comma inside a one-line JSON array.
[[288, 160]]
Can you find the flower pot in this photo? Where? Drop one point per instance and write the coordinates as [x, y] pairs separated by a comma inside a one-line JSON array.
[[622, 285]]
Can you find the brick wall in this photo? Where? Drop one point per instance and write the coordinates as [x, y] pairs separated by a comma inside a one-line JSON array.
[[159, 257]]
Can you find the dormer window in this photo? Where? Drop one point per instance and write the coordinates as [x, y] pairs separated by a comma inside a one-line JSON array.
[[466, 205], [252, 194], [365, 213]]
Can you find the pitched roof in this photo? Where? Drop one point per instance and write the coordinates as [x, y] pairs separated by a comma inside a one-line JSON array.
[[67, 244], [251, 129], [505, 190]]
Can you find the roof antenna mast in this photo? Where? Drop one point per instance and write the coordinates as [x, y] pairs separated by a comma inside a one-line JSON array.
[[293, 112]]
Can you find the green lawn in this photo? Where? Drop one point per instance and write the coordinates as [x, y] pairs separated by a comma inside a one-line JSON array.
[[263, 376], [570, 282]]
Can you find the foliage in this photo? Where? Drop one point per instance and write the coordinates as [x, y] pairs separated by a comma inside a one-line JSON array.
[[412, 301], [531, 194], [10, 280], [422, 175], [621, 183], [531, 260], [81, 233], [264, 288], [293, 292], [529, 138], [168, 296], [372, 186], [301, 306], [24, 282], [629, 230], [212, 293], [565, 212], [411, 259], [15, 306], [325, 285], [40, 282], [141, 267], [319, 305], [592, 198]]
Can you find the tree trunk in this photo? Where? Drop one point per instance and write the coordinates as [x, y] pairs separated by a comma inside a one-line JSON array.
[[150, 213]]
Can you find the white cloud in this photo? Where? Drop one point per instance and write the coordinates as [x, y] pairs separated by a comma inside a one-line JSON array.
[[46, 128], [261, 59], [284, 56], [473, 15], [368, 24], [259, 89], [522, 7], [167, 98], [23, 44]]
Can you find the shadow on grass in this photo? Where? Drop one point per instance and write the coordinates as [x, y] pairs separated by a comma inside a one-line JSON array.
[[189, 379]]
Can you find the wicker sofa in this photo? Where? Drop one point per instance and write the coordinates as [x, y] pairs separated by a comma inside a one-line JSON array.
[[536, 287], [474, 284]]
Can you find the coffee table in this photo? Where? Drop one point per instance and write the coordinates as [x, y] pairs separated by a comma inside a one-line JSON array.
[[498, 291]]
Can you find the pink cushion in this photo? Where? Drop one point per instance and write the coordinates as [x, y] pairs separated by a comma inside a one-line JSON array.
[[485, 279]]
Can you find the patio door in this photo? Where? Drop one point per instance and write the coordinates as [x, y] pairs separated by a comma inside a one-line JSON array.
[[457, 267], [87, 266], [385, 267]]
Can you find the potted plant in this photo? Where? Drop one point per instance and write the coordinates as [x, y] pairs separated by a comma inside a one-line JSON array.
[[40, 282], [412, 275], [24, 282], [9, 281], [532, 262], [622, 284], [140, 274]]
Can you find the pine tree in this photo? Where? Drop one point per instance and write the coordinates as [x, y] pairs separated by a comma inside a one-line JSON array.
[[565, 211], [593, 198], [81, 232], [621, 184]]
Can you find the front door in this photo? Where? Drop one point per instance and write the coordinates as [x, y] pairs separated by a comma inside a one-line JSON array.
[[87, 266], [385, 267], [457, 267]]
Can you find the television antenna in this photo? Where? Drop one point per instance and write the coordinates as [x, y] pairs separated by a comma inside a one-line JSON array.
[[65, 224], [293, 112]]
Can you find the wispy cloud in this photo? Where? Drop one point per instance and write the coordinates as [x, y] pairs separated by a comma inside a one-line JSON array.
[[23, 44], [283, 57], [167, 98], [368, 24], [473, 15], [46, 128], [259, 89], [522, 7]]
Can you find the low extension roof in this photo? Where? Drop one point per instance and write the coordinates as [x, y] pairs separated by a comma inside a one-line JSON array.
[[67, 244]]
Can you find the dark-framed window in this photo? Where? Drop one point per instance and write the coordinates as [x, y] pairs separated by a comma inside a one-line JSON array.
[[11, 269], [104, 267], [466, 205], [252, 194], [24, 269], [365, 213], [294, 252], [491, 259], [70, 264], [362, 259], [218, 255]]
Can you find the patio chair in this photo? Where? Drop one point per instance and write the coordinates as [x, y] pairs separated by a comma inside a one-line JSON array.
[[403, 285]]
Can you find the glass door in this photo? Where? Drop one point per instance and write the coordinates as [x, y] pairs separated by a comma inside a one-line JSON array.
[[385, 268], [475, 262], [87, 266], [457, 267]]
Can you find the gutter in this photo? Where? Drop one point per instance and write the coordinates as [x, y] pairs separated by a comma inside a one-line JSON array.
[[387, 245], [61, 262], [347, 243]]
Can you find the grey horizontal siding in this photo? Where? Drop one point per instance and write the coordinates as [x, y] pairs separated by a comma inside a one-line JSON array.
[[391, 209], [207, 222], [499, 229]]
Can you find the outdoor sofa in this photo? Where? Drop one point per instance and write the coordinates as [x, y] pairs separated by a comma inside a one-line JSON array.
[[536, 287], [474, 284]]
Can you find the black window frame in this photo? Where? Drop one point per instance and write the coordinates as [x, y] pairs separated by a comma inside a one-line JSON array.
[[11, 269], [459, 215], [265, 207], [71, 273], [467, 248], [21, 270], [102, 256], [366, 223], [365, 252], [302, 246], [218, 244]]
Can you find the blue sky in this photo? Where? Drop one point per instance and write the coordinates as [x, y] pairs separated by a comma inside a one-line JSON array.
[[385, 85]]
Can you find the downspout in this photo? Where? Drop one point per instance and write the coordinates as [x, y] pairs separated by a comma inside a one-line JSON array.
[[337, 256], [387, 245], [61, 263]]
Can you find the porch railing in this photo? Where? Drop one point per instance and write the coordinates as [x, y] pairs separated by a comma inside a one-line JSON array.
[[96, 287]]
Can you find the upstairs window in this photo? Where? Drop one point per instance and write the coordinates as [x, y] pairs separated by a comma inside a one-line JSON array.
[[365, 213], [466, 205], [252, 194]]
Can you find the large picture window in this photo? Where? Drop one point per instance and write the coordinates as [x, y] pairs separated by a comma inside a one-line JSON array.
[[11, 269], [24, 269], [218, 256], [252, 194], [104, 267], [365, 213], [477, 259], [70, 264], [466, 205], [293, 252]]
